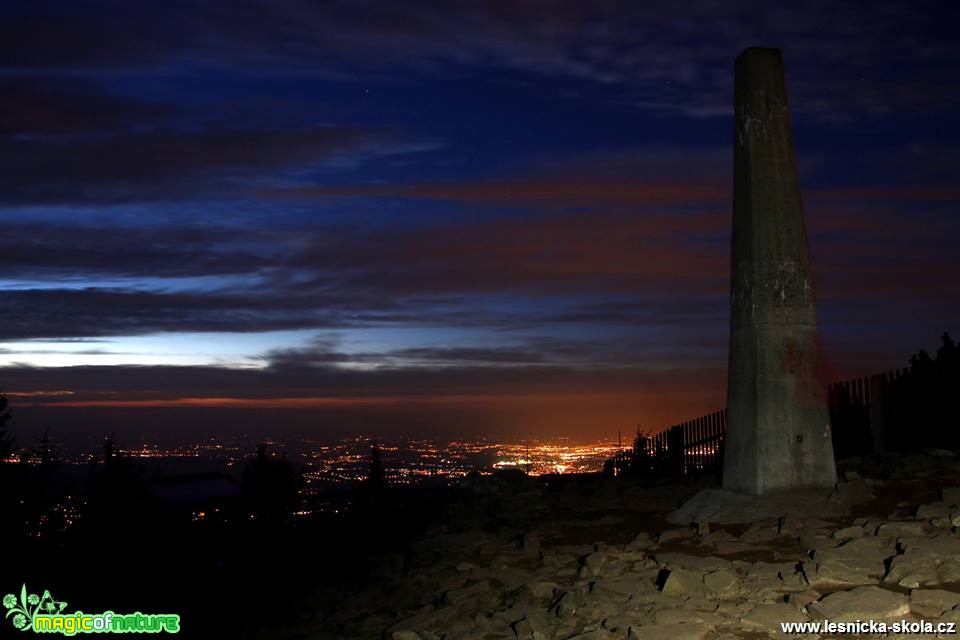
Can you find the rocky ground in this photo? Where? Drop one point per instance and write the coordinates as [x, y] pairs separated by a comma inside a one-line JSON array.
[[594, 559]]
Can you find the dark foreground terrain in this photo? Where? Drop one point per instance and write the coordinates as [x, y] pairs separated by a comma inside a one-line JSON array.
[[516, 557], [594, 559]]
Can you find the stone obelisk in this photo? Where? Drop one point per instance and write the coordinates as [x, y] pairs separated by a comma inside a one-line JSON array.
[[778, 427]]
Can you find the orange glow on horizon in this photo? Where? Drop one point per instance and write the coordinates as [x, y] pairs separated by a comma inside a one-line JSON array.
[[321, 402]]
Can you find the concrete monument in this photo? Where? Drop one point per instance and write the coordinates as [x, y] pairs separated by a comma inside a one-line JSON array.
[[778, 427]]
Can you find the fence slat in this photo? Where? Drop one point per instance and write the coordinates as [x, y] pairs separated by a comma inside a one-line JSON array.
[[856, 405]]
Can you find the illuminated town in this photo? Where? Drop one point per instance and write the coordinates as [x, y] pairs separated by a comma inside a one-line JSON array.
[[407, 460], [412, 460], [331, 471]]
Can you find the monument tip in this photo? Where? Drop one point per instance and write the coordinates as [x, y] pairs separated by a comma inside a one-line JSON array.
[[759, 53]]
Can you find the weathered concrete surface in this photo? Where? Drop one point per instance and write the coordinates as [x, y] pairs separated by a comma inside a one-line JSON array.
[[778, 432], [728, 507]]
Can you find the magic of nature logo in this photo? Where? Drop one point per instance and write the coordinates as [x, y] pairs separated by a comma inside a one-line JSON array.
[[44, 614]]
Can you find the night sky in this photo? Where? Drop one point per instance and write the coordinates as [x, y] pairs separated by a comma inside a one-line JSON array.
[[506, 218]]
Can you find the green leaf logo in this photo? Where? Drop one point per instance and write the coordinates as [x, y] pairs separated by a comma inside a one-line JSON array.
[[29, 605]]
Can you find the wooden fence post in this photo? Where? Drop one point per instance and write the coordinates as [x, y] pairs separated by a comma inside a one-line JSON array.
[[878, 388]]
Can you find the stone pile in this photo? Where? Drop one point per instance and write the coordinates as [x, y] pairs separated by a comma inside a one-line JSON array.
[[891, 559]]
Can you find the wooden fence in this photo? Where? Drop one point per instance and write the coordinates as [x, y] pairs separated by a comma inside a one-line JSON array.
[[686, 448], [862, 414]]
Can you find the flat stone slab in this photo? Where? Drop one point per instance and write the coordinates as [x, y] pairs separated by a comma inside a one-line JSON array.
[[679, 631], [769, 616], [862, 603], [933, 602], [701, 564], [723, 506], [681, 582]]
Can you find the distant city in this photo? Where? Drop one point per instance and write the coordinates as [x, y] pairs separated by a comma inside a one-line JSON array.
[[410, 461], [332, 471], [346, 461]]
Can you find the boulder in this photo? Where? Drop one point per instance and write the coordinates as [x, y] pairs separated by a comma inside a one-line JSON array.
[[733, 548], [685, 614], [670, 560], [858, 561], [848, 533], [852, 492], [673, 535], [951, 495], [642, 541], [598, 634], [538, 590], [568, 603], [471, 592], [912, 570], [720, 582], [681, 582], [932, 602], [717, 536], [733, 610], [861, 603], [814, 538], [509, 615], [942, 547], [902, 528], [509, 578], [837, 573], [557, 558], [953, 615], [933, 510], [679, 631], [769, 616], [759, 533], [949, 571], [801, 599], [925, 561], [762, 587], [623, 587], [427, 618], [593, 564], [528, 629]]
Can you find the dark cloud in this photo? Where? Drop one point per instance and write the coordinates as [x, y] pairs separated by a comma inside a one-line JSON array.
[[58, 251], [537, 352], [63, 106], [523, 192], [172, 165], [91, 312], [674, 57], [641, 269]]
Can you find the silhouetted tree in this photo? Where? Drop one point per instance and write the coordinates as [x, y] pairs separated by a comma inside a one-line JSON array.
[[923, 410], [376, 476], [270, 486], [641, 463], [7, 443], [42, 518], [45, 452], [651, 457], [932, 386], [118, 500], [12, 482]]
